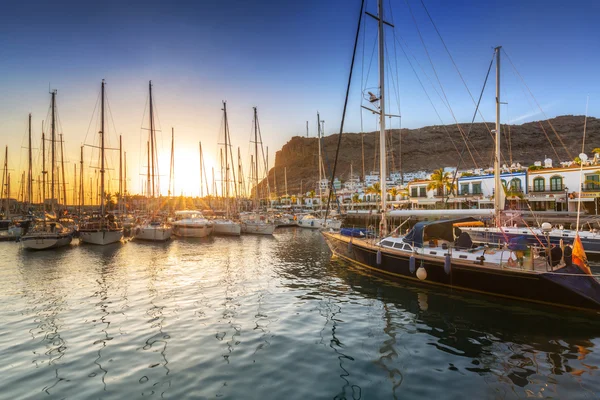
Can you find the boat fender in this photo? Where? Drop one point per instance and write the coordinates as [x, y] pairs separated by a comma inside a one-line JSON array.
[[412, 264], [350, 246], [137, 231], [447, 264], [421, 273], [312, 223], [378, 257]]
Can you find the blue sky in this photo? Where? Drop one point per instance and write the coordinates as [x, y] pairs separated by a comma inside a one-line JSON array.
[[289, 59]]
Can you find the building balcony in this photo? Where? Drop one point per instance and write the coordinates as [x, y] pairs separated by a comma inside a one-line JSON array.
[[547, 189], [590, 187]]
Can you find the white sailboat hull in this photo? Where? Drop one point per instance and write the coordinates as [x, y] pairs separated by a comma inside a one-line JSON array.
[[319, 223], [152, 233], [258, 228], [227, 228], [101, 237], [192, 230], [46, 241]]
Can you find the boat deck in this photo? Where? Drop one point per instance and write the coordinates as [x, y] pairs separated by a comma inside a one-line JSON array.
[[496, 259]]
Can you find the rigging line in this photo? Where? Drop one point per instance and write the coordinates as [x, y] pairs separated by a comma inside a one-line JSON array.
[[362, 73], [471, 125], [370, 62], [430, 101], [540, 107], [337, 150], [92, 118], [454, 63], [540, 123], [438, 78], [436, 92]]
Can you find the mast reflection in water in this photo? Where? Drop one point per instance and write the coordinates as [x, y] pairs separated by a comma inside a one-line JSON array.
[[270, 317]]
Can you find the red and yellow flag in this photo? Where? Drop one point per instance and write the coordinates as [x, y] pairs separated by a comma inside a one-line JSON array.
[[579, 257]]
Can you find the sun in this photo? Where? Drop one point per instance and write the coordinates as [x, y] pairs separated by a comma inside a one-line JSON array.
[[187, 171]]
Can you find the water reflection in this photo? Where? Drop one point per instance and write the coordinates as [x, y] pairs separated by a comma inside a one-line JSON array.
[[270, 318], [157, 271], [526, 346]]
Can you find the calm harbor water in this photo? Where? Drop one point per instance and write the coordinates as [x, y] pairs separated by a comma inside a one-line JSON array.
[[273, 318]]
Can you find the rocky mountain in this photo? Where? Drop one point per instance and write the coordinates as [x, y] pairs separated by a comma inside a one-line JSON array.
[[433, 147]]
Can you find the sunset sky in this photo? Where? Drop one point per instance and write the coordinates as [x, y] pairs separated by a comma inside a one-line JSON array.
[[290, 59]]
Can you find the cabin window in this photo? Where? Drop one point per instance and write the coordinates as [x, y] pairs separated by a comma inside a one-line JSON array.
[[515, 185], [464, 188], [556, 183], [477, 188], [538, 184], [592, 182], [387, 243], [398, 245]]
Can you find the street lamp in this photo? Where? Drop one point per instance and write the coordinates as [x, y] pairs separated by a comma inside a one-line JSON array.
[[566, 199]]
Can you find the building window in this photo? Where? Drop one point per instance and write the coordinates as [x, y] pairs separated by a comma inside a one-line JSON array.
[[592, 182], [538, 184], [515, 185], [464, 188], [556, 184], [477, 188], [413, 192], [422, 191]]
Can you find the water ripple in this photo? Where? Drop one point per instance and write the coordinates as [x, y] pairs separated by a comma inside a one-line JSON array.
[[255, 317]]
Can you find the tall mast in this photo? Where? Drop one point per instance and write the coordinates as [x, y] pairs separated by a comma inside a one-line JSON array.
[[124, 177], [120, 171], [81, 182], [240, 182], [382, 156], [30, 170], [306, 128], [148, 194], [256, 157], [226, 157], [151, 138], [53, 149], [44, 172], [497, 182], [221, 172], [319, 142], [8, 196], [172, 167], [74, 184], [102, 154], [62, 170]]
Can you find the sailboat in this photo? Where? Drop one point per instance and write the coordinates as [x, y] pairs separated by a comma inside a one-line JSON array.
[[152, 228], [255, 222], [310, 221], [47, 234], [227, 226], [431, 254], [103, 229]]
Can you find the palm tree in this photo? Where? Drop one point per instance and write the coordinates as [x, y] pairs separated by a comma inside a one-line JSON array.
[[293, 199], [440, 180], [355, 198], [374, 189], [393, 192]]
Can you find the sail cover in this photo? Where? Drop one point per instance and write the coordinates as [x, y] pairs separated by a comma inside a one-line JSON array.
[[427, 230]]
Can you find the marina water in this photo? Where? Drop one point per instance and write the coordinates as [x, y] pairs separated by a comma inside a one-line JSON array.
[[269, 318]]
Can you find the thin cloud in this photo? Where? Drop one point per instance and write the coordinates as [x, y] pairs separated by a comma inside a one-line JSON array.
[[533, 113]]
